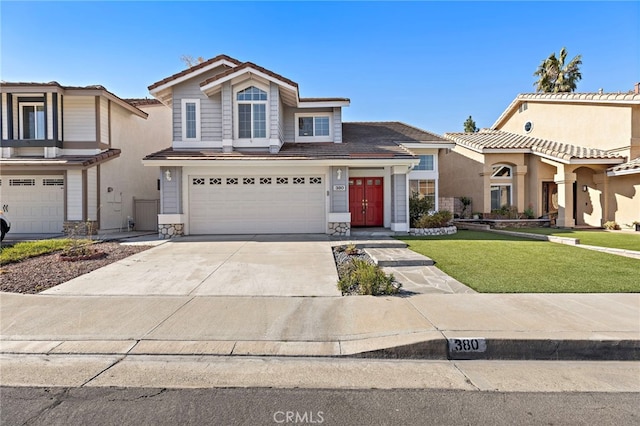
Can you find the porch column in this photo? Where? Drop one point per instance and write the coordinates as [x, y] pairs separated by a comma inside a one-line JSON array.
[[601, 182], [521, 171], [486, 177], [565, 183]]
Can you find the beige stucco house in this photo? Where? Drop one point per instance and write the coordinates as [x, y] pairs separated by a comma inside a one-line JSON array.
[[571, 155], [71, 156]]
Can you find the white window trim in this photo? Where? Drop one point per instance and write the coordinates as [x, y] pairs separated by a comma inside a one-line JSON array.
[[236, 117], [502, 177], [299, 138], [184, 120], [21, 115], [510, 192], [433, 163]]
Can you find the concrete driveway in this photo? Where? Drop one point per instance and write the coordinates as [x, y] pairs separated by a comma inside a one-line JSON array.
[[262, 265]]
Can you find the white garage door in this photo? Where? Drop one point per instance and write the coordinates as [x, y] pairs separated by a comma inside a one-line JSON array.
[[34, 204], [256, 204]]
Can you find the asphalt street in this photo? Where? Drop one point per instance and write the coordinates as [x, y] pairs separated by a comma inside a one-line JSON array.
[[264, 406]]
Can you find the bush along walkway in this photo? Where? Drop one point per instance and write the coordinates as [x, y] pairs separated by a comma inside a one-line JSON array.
[[358, 274], [412, 272]]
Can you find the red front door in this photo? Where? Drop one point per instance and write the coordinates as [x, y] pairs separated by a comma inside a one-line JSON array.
[[366, 201]]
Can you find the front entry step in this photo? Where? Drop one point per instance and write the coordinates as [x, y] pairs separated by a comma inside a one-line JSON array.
[[390, 257]]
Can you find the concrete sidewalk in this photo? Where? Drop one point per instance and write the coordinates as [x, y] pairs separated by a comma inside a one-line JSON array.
[[496, 326]]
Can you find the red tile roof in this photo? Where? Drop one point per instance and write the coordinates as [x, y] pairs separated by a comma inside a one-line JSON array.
[[498, 139]]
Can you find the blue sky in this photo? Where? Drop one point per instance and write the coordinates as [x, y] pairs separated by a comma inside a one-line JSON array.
[[429, 64]]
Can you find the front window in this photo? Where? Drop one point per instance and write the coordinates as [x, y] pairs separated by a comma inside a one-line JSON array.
[[191, 119], [500, 196], [424, 188], [32, 120], [426, 163], [313, 127], [252, 113]]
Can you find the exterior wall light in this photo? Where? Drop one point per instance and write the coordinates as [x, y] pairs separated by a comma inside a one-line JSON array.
[[167, 175], [585, 188], [339, 174]]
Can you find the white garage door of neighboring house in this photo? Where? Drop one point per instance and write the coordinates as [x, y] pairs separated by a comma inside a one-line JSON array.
[[256, 204], [34, 204]]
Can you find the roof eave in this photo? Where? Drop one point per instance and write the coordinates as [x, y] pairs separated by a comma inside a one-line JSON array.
[[427, 144], [212, 87], [154, 90]]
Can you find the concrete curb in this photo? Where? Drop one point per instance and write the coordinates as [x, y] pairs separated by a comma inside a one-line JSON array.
[[614, 349]]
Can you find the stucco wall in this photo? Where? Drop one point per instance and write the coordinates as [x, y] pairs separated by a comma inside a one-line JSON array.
[[136, 137], [588, 125], [624, 199]]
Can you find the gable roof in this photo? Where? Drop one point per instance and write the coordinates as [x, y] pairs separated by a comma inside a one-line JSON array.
[[581, 98], [162, 89], [377, 141], [196, 69], [57, 87], [487, 141]]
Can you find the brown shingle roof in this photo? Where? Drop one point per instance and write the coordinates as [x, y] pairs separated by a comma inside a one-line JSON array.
[[65, 160], [4, 84], [143, 101], [192, 69], [376, 140], [248, 65], [497, 139]]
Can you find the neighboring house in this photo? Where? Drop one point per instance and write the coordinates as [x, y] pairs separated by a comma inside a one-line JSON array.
[[574, 155], [249, 155], [70, 156]]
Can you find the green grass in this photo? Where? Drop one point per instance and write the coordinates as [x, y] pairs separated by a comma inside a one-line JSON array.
[[27, 249], [494, 263], [620, 240]]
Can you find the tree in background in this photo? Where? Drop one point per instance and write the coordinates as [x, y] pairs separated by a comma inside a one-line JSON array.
[[556, 77], [470, 126], [189, 61]]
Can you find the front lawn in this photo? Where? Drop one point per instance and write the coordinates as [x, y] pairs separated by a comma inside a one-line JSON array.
[[24, 250], [495, 263], [619, 240]]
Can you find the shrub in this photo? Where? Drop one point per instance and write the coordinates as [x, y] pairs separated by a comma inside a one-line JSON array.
[[611, 225], [436, 220], [362, 277], [419, 206]]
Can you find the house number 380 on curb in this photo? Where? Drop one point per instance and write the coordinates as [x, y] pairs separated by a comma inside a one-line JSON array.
[[467, 344]]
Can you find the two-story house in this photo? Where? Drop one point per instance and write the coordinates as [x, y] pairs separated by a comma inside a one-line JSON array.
[[571, 155], [249, 155], [70, 156]]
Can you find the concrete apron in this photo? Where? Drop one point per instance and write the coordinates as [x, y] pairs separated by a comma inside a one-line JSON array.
[[505, 326], [277, 265]]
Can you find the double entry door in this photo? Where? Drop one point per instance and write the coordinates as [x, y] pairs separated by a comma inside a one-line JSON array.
[[366, 201]]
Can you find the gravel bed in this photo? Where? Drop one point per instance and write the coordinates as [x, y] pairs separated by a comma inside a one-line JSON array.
[[40, 273]]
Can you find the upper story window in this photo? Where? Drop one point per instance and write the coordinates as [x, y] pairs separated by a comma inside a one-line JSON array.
[[314, 127], [32, 120], [191, 119], [426, 163], [252, 113]]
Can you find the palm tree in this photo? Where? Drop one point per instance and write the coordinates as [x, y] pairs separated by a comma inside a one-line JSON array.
[[555, 76]]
